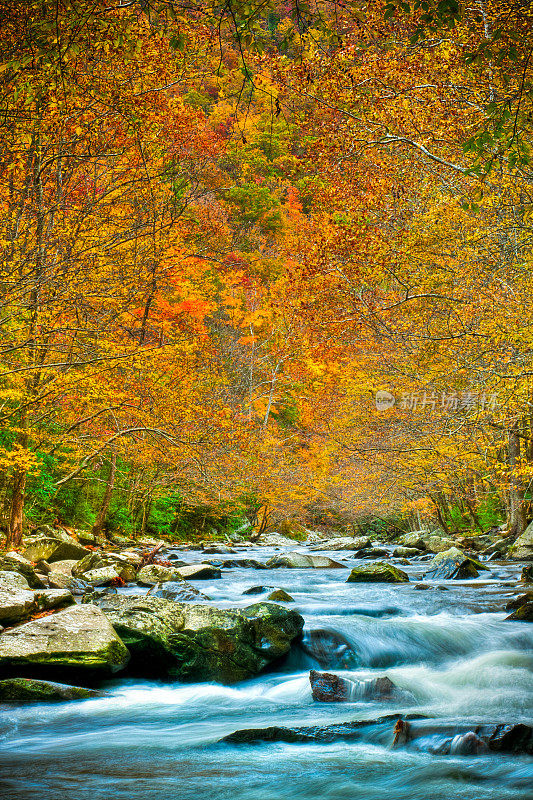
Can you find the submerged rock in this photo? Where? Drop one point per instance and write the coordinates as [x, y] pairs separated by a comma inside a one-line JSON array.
[[398, 731], [28, 690], [378, 572], [453, 564], [200, 643], [302, 561], [329, 648], [79, 638]]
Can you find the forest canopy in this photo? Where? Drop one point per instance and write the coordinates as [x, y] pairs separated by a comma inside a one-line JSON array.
[[264, 262]]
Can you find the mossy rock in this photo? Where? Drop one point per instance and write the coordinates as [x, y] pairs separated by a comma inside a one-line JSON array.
[[280, 596], [80, 638], [377, 572], [22, 691], [195, 642]]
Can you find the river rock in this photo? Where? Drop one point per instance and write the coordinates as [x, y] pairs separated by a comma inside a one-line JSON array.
[[14, 562], [180, 591], [327, 687], [453, 564], [372, 552], [79, 638], [343, 543], [522, 549], [258, 589], [438, 544], [40, 548], [274, 540], [378, 572], [68, 549], [406, 552], [21, 691], [242, 563], [329, 648], [523, 613], [499, 738], [518, 601], [414, 540], [280, 596], [218, 549], [527, 574], [152, 574], [302, 561], [201, 643], [122, 567], [196, 572], [102, 576], [13, 580]]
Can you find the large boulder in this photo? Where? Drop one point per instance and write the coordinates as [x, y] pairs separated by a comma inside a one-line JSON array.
[[21, 691], [14, 562], [67, 549], [198, 642], [377, 572], [523, 547], [453, 564], [78, 639], [303, 561]]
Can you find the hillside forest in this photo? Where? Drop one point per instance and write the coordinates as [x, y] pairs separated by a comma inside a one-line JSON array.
[[265, 264]]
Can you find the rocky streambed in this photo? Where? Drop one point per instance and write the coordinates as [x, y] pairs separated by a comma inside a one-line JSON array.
[[266, 671]]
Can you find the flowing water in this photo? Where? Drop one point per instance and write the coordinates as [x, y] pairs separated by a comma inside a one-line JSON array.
[[447, 647]]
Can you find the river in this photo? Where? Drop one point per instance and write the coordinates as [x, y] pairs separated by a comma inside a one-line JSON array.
[[447, 647]]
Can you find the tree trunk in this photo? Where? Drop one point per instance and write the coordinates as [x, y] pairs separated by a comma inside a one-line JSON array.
[[102, 514], [516, 505], [16, 516]]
